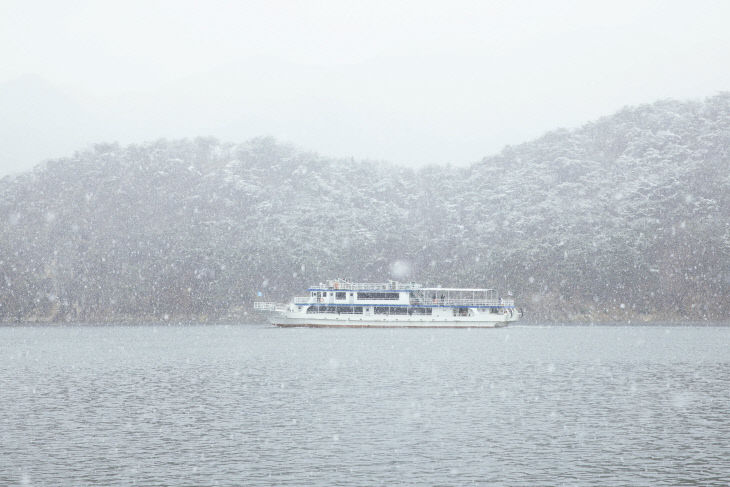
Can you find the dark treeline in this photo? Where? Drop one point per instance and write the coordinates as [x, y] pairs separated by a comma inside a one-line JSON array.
[[624, 218]]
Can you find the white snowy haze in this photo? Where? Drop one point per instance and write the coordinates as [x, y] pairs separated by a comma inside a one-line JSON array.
[[413, 83]]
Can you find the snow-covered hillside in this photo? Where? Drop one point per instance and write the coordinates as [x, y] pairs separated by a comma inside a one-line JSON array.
[[627, 217]]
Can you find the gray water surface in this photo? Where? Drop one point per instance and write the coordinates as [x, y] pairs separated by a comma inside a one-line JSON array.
[[256, 405]]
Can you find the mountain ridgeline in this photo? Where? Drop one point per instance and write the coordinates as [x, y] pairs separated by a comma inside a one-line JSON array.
[[625, 218]]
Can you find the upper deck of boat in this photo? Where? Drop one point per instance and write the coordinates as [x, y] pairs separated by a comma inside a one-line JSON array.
[[395, 286]]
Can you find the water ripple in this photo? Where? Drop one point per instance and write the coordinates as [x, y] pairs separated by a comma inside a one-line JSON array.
[[220, 405]]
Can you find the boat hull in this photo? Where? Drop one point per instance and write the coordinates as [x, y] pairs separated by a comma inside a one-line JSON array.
[[286, 322]]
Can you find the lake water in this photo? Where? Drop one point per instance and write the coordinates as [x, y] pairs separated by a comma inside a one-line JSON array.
[[256, 405]]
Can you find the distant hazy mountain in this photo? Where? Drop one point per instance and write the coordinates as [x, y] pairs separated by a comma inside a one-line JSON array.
[[39, 121], [625, 218], [408, 111]]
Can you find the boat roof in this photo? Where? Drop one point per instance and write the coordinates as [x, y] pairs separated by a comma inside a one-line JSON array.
[[394, 286], [455, 289]]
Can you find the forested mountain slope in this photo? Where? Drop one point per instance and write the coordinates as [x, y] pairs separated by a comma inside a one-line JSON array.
[[627, 217]]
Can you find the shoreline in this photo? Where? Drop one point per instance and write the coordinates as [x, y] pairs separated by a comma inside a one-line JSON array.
[[263, 322]]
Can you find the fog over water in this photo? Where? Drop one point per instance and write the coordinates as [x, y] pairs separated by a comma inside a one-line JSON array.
[[413, 83]]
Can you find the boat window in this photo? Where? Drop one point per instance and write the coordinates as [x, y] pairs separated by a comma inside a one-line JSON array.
[[380, 296], [349, 310], [340, 295], [390, 310], [322, 309]]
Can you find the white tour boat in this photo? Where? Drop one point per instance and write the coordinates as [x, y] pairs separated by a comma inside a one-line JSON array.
[[341, 303]]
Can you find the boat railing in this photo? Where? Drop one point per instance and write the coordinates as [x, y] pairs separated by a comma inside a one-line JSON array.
[[418, 302], [367, 286], [362, 286], [269, 306], [358, 286], [465, 302]]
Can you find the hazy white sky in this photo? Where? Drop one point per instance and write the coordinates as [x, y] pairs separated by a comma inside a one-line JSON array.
[[411, 82]]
